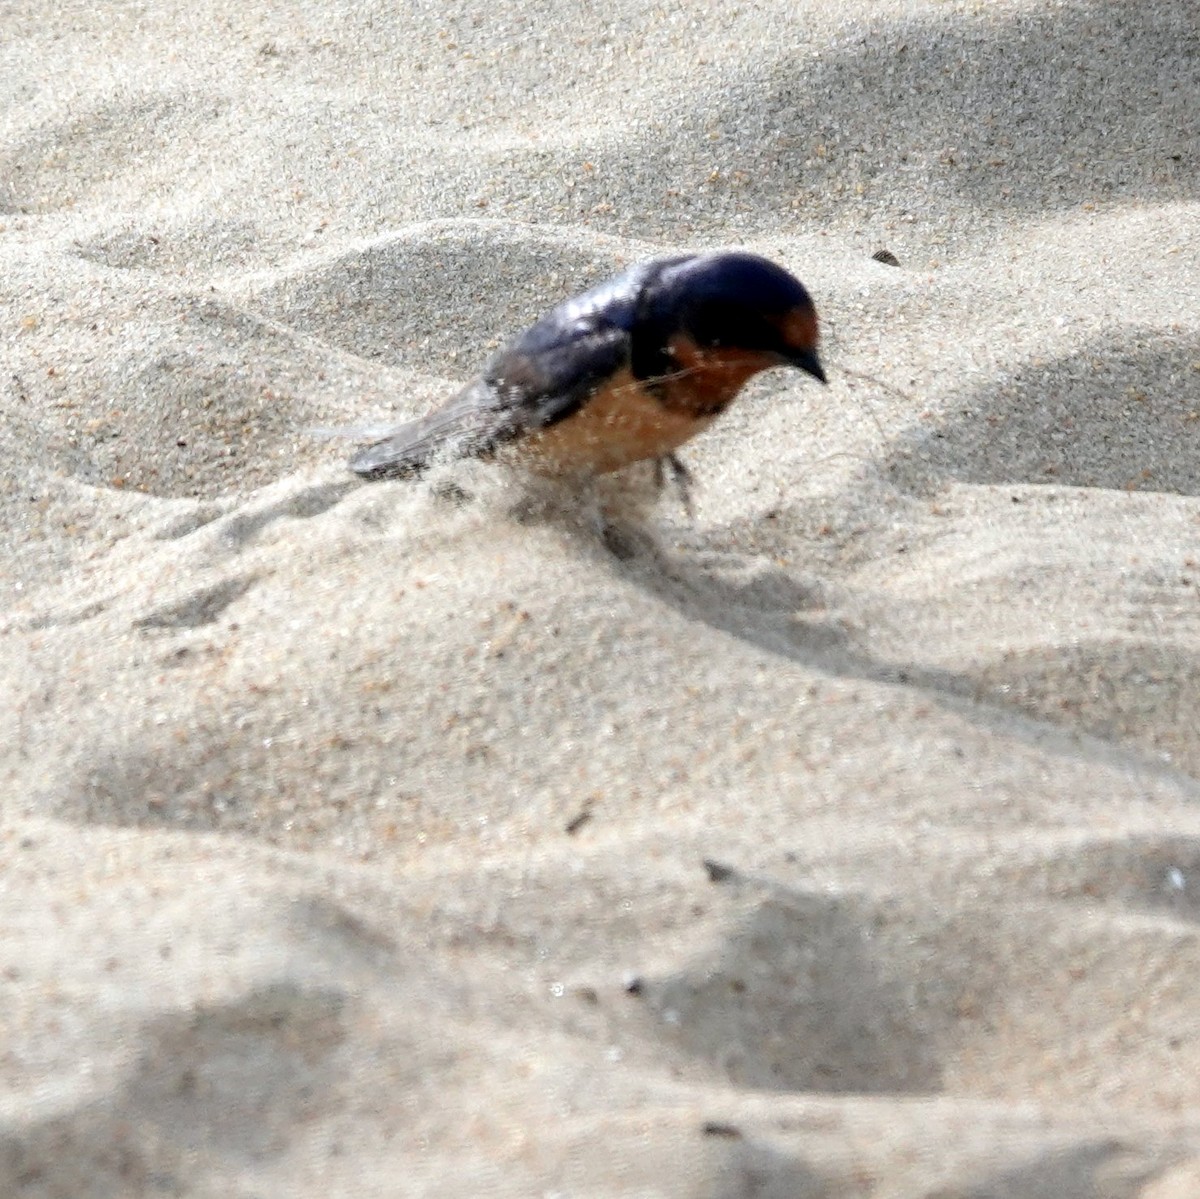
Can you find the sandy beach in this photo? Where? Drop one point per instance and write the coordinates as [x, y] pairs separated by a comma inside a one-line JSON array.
[[840, 840]]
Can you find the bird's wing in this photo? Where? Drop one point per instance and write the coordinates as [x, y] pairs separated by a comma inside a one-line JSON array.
[[541, 378]]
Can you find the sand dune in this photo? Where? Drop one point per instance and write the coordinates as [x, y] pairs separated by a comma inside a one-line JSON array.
[[842, 840]]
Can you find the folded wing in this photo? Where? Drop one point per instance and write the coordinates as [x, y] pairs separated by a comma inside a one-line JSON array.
[[539, 379]]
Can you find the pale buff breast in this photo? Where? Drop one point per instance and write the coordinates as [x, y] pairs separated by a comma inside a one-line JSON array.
[[619, 425], [624, 423]]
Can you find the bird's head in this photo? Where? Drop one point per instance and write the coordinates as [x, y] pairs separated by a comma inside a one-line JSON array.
[[740, 302]]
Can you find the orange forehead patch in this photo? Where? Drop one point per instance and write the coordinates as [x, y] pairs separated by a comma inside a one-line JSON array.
[[799, 328]]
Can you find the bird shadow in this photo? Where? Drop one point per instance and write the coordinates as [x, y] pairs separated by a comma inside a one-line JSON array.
[[797, 619]]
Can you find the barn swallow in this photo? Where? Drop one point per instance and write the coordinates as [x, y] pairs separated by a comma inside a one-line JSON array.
[[625, 372]]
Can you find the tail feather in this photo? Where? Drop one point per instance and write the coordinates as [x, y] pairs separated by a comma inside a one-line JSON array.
[[464, 428], [406, 451]]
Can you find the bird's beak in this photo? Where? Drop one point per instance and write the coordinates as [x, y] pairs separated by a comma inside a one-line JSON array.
[[808, 361], [799, 329]]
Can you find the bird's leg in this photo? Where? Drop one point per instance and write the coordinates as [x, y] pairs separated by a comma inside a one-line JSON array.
[[680, 476]]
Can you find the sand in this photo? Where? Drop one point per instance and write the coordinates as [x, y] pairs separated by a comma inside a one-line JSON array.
[[843, 839]]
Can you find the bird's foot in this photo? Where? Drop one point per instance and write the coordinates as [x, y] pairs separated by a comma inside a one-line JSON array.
[[671, 467], [447, 491]]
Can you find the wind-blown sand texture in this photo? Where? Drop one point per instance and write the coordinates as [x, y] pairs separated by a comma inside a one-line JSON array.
[[842, 841]]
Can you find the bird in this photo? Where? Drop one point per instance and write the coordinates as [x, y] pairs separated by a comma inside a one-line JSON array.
[[625, 372]]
